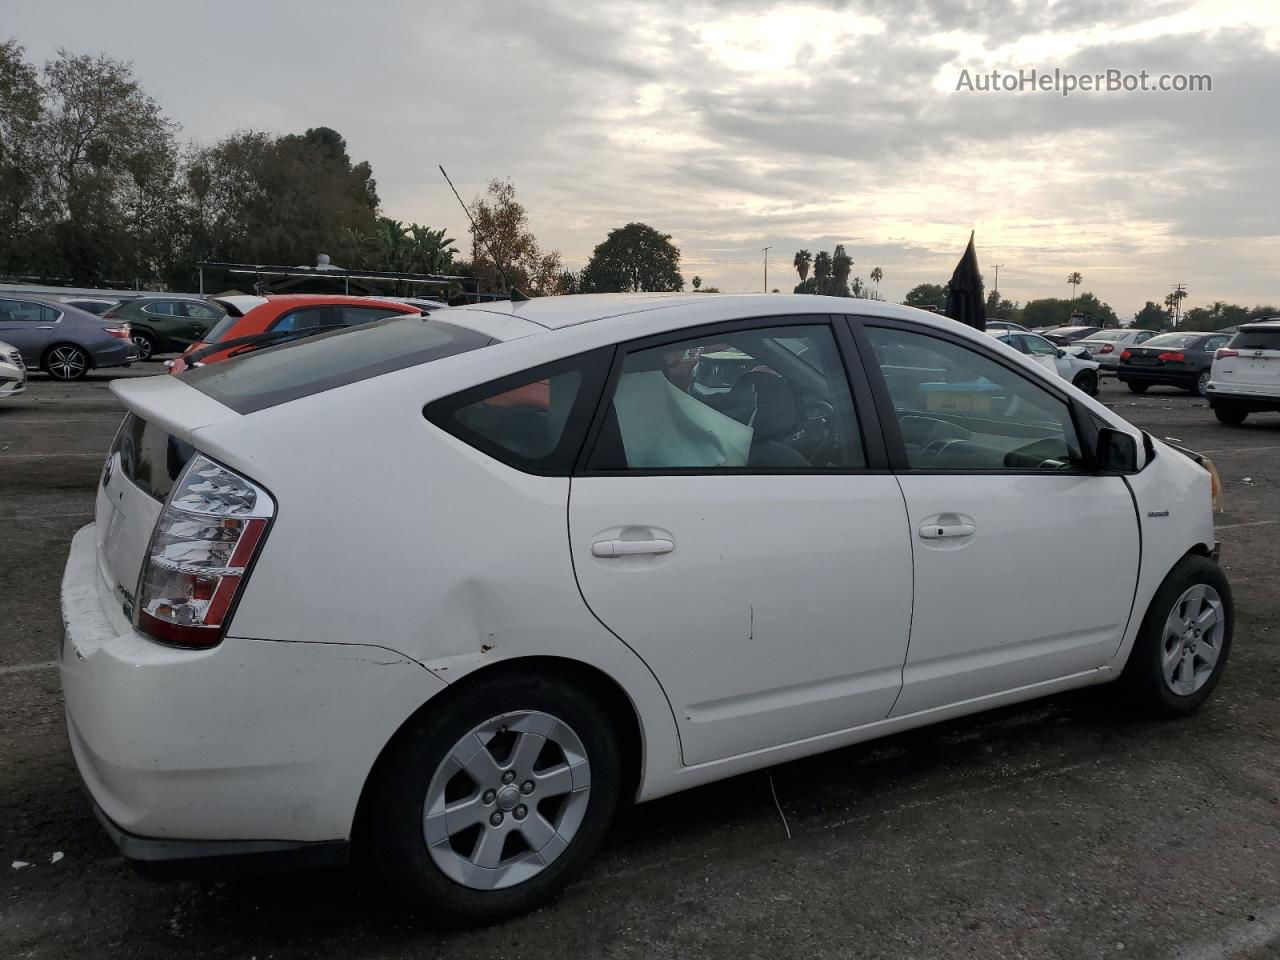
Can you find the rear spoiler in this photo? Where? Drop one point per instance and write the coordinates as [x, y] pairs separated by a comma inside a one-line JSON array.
[[171, 403]]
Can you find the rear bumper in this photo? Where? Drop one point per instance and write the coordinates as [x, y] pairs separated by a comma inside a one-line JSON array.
[[114, 354], [252, 742], [1259, 397], [1175, 378]]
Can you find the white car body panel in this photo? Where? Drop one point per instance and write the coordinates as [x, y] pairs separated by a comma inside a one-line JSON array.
[[13, 372], [1252, 372], [397, 547]]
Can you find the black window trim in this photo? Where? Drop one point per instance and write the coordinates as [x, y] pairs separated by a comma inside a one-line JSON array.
[[594, 365], [1084, 420], [846, 349]]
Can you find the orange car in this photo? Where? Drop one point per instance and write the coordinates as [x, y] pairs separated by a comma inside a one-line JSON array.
[[278, 318]]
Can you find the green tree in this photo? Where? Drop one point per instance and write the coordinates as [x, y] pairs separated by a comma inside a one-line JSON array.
[[841, 266], [21, 168], [635, 258], [876, 276], [697, 284], [822, 271], [1074, 279], [802, 261], [1151, 317], [503, 222], [927, 295]]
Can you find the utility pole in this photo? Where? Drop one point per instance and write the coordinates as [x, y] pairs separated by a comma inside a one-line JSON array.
[[1179, 291], [765, 251], [996, 288]]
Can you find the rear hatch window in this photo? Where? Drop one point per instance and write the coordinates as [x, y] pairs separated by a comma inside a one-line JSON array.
[[1256, 340], [276, 375], [149, 457], [220, 328]]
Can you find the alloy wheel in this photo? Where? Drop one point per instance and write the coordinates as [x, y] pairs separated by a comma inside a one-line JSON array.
[[67, 363], [1192, 642], [143, 343], [1202, 383], [506, 800]]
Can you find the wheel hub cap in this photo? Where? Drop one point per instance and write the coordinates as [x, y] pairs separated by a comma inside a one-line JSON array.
[[506, 800], [1193, 637]]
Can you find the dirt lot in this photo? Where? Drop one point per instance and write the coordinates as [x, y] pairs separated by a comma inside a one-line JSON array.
[[1060, 828]]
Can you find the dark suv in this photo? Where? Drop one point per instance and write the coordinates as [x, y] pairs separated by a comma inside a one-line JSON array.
[[166, 324]]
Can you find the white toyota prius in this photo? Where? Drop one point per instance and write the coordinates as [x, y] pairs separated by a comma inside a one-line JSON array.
[[457, 586]]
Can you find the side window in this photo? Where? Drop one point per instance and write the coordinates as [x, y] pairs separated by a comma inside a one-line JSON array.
[[162, 308], [1214, 343], [960, 410], [24, 311], [199, 311], [769, 398], [1039, 346], [534, 421], [304, 318], [354, 315], [1143, 336]]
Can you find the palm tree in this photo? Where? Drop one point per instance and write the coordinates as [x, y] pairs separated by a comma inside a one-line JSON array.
[[821, 270], [841, 265], [1075, 280], [857, 287], [876, 276], [801, 262]]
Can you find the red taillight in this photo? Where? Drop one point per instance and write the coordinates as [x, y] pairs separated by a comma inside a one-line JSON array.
[[1223, 352], [1126, 355], [121, 331], [200, 551], [1108, 348], [1172, 357]]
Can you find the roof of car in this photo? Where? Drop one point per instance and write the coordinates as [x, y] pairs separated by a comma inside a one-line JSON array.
[[1270, 323], [554, 313], [329, 299]]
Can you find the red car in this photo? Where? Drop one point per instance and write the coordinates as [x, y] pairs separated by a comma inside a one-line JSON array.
[[279, 318]]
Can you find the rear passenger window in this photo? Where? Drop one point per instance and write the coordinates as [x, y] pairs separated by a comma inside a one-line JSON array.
[[533, 421], [773, 398]]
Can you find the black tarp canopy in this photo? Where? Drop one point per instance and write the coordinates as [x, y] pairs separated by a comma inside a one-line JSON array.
[[965, 299]]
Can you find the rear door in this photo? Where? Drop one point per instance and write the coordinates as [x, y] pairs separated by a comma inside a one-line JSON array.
[[29, 326], [1257, 360], [745, 539], [1025, 561]]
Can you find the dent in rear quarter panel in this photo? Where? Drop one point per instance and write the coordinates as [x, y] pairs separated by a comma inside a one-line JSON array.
[[391, 532], [1175, 514]]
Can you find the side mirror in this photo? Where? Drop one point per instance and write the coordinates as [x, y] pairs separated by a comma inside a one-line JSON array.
[[1117, 451], [1061, 353]]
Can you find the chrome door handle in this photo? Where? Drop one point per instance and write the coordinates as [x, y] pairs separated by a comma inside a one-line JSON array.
[[939, 531], [44, 328], [630, 548]]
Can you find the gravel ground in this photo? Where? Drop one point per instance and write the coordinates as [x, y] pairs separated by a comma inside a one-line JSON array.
[[1058, 828]]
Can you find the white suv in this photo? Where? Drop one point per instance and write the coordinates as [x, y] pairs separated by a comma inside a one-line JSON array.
[[457, 586], [1245, 377]]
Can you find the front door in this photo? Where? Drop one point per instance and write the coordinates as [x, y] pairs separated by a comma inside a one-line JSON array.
[[728, 530], [1025, 561]]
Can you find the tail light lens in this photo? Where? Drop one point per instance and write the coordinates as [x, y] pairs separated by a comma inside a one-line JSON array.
[[1126, 355], [207, 536], [1172, 356], [1223, 352], [1108, 348], [120, 330]]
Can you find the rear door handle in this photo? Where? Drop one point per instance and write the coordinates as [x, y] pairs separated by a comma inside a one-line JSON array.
[[940, 531], [630, 548]]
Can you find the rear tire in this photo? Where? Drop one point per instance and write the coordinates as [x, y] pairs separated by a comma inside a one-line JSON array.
[[1137, 387], [465, 850], [1229, 413], [1087, 381], [66, 361], [1201, 385], [1184, 641]]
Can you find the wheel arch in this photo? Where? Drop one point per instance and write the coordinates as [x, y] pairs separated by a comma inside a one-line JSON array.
[[611, 695]]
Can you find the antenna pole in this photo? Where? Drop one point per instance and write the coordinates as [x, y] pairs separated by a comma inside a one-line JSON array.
[[475, 232]]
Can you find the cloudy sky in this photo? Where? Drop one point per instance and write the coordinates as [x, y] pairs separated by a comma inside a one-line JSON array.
[[735, 124]]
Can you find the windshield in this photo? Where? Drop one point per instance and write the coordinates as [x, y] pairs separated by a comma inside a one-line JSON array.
[[266, 378], [1111, 335], [220, 329], [1173, 340]]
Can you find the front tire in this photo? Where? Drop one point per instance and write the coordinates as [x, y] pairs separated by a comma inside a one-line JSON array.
[[1229, 413], [66, 362], [488, 805], [1137, 387], [1184, 641]]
